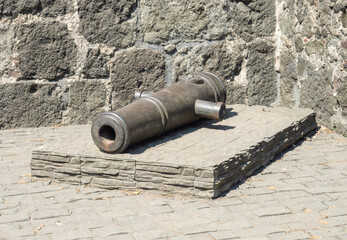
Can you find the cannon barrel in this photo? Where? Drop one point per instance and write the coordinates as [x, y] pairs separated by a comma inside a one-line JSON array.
[[200, 95]]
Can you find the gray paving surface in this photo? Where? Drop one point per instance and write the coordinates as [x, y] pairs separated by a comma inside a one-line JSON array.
[[302, 195]]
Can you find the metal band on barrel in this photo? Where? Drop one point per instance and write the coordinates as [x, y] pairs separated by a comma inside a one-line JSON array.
[[162, 110], [221, 83], [213, 86]]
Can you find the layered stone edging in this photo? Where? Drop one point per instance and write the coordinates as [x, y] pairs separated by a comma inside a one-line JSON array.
[[203, 160]]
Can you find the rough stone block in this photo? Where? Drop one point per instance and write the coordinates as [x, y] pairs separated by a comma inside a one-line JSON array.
[[6, 38], [204, 173], [68, 170], [54, 8], [343, 19], [179, 20], [311, 34], [109, 22], [40, 173], [188, 171], [178, 182], [262, 89], [204, 185], [140, 177], [160, 177], [62, 177], [342, 94], [96, 64], [57, 166], [47, 8], [87, 99], [314, 47], [111, 183], [289, 72], [29, 105], [122, 165], [168, 188], [252, 19], [222, 58], [54, 158], [10, 8], [94, 171], [285, 22], [45, 51], [159, 169], [107, 173], [135, 68], [318, 94]]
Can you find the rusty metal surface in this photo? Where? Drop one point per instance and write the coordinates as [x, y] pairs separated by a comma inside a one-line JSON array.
[[200, 95]]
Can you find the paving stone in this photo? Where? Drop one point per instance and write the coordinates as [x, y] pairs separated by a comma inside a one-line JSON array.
[[337, 221], [79, 233], [231, 201], [17, 218], [271, 203], [276, 220], [259, 182], [343, 236], [231, 214], [120, 237], [224, 235], [113, 230], [300, 180], [243, 211], [329, 232], [335, 211], [290, 236], [304, 224], [146, 226], [15, 192], [158, 234], [262, 230], [50, 214], [84, 220], [246, 233], [291, 194], [271, 211], [14, 232], [196, 229], [204, 236], [256, 191], [156, 210], [231, 225], [256, 238]]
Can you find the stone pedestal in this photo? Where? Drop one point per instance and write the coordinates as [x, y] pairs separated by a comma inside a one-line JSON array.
[[203, 159]]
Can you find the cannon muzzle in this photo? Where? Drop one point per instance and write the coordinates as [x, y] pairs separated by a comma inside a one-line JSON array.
[[201, 95]]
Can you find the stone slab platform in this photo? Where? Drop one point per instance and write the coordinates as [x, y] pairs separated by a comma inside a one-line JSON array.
[[203, 159]]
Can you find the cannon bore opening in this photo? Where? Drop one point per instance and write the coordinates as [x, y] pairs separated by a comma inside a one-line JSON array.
[[107, 134]]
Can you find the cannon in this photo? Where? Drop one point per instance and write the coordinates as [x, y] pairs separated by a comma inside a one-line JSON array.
[[200, 95]]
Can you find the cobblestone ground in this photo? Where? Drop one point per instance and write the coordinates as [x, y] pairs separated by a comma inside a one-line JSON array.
[[301, 195]]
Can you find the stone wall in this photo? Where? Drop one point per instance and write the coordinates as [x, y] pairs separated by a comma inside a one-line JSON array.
[[311, 58], [64, 61]]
